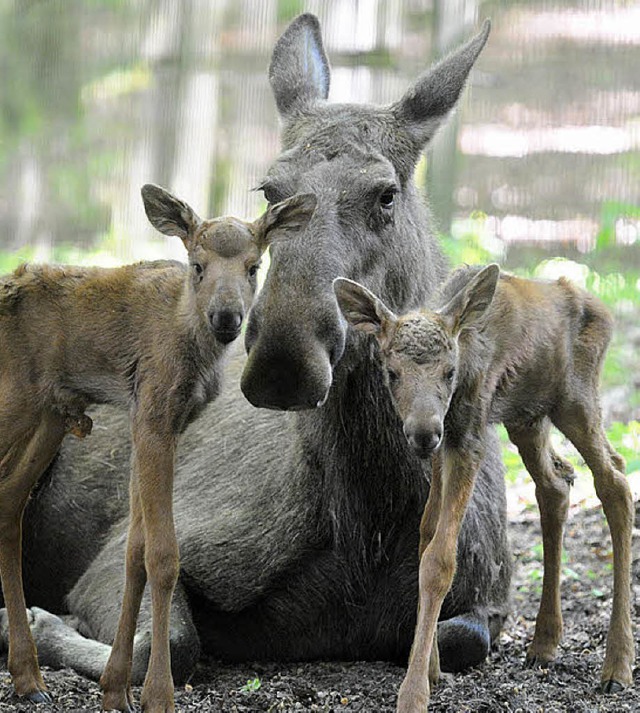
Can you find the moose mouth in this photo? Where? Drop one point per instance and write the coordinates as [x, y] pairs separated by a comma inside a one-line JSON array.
[[226, 336]]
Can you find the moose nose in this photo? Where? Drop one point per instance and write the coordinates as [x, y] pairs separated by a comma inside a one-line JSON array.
[[423, 436], [226, 325], [286, 379]]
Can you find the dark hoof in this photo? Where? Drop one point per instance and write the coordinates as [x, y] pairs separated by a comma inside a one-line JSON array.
[[611, 686], [39, 697], [536, 662]]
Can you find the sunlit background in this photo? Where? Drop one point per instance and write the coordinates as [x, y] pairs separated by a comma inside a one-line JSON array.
[[101, 96], [541, 160]]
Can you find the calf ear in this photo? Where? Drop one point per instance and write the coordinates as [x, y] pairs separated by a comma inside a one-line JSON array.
[[363, 310], [427, 103], [169, 214], [467, 307], [299, 72], [284, 220]]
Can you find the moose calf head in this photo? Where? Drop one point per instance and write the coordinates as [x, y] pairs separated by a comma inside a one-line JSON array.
[[224, 253], [419, 350]]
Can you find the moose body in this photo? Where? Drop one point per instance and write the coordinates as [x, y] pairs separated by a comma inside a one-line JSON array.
[[498, 348], [149, 337], [298, 530]]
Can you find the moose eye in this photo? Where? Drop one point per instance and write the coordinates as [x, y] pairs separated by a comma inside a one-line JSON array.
[[253, 270], [449, 375], [197, 270], [270, 194], [387, 197]]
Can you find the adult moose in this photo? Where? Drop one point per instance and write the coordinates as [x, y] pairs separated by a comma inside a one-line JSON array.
[[309, 548]]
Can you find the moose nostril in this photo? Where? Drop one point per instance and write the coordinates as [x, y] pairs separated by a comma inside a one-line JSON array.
[[226, 321], [431, 440], [226, 325], [422, 440]]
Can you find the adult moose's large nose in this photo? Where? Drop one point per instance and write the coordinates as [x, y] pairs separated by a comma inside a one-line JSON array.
[[423, 434], [289, 368], [226, 324], [277, 379]]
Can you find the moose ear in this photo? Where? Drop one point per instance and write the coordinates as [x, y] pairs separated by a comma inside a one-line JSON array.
[[427, 103], [363, 310], [169, 214], [299, 72], [469, 304], [284, 220]]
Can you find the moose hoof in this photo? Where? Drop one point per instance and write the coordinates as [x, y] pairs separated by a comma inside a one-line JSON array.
[[124, 706], [39, 697], [537, 661], [611, 686]]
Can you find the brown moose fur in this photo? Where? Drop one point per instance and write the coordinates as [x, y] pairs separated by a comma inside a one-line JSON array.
[[149, 337], [498, 348]]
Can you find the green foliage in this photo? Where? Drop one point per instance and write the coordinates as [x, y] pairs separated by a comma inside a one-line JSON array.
[[10, 260], [470, 242], [288, 9], [625, 438], [63, 254], [251, 686], [611, 212]]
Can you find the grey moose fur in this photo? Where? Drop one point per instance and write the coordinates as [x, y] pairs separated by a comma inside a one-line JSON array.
[[148, 337], [298, 528], [498, 348]]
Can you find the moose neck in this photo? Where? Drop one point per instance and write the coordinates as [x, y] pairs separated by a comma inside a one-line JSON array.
[[368, 468]]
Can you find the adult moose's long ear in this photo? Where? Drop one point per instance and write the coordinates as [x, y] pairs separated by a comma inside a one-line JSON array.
[[363, 310], [168, 214], [427, 103], [299, 71], [467, 307], [284, 220]]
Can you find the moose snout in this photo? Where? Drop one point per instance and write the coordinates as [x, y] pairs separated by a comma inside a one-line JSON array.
[[423, 435], [226, 324]]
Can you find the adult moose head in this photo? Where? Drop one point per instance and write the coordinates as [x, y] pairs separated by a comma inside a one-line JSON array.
[[369, 224]]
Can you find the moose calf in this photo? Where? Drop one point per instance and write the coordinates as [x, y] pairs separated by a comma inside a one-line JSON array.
[[150, 337], [528, 354]]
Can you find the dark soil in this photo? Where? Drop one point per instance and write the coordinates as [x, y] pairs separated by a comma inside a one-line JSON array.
[[501, 684]]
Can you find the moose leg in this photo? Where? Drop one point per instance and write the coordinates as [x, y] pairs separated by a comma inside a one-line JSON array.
[[116, 679], [428, 525], [155, 456], [437, 569], [552, 494], [20, 468], [582, 424]]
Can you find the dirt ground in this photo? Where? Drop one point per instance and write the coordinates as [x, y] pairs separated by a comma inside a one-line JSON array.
[[500, 684]]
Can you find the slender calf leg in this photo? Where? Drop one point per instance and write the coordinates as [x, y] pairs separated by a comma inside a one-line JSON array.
[[437, 569], [428, 525], [155, 455], [116, 679], [552, 494], [583, 426], [431, 511], [20, 468]]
